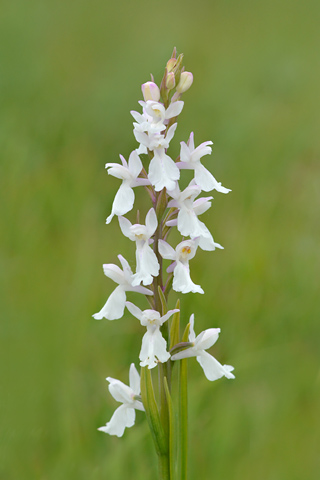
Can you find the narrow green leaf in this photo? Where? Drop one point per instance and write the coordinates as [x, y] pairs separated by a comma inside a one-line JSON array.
[[164, 415], [168, 285], [152, 412], [172, 433], [164, 307], [185, 335], [161, 204], [175, 327]]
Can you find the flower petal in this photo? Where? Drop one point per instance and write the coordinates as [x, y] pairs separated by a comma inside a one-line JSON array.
[[174, 109], [163, 171], [125, 225], [168, 315], [151, 222], [134, 310], [212, 368], [113, 272], [182, 281], [153, 347], [134, 163], [114, 307], [207, 338], [166, 251], [134, 379], [123, 417], [123, 201]]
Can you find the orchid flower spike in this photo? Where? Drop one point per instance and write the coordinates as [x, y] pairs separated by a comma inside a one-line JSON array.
[[190, 159], [187, 221], [211, 367], [114, 307], [147, 262], [128, 173], [124, 416], [154, 346], [184, 252]]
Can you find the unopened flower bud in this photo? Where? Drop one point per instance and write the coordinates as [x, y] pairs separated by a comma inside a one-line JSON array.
[[171, 64], [170, 81], [185, 82], [150, 91]]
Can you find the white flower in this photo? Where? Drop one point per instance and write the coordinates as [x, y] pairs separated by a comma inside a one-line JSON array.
[[155, 116], [114, 307], [187, 221], [147, 262], [190, 159], [211, 367], [154, 347], [128, 173], [124, 416], [184, 252], [163, 171], [156, 140]]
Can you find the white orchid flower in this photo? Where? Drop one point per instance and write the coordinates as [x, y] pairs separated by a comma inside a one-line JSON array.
[[155, 116], [211, 367], [114, 307], [163, 171], [190, 159], [187, 220], [124, 416], [128, 172], [154, 346], [156, 140], [184, 252], [147, 262]]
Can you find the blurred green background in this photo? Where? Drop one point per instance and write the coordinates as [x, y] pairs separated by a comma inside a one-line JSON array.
[[70, 73]]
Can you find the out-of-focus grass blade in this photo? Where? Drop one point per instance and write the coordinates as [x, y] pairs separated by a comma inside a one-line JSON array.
[[152, 412]]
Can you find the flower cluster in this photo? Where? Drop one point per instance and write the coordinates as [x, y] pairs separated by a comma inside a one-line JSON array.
[[159, 174]]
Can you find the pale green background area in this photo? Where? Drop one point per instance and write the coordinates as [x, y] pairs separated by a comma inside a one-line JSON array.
[[70, 73]]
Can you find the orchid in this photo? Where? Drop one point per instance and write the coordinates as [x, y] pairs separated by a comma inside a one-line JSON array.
[[154, 347], [163, 171], [124, 416], [188, 210], [211, 367], [190, 159], [155, 116], [184, 252], [147, 262], [114, 307], [128, 173], [171, 208]]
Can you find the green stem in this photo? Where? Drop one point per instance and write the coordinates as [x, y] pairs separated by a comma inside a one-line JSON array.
[[183, 411], [164, 467]]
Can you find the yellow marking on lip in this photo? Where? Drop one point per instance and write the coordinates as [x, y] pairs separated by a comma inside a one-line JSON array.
[[186, 250]]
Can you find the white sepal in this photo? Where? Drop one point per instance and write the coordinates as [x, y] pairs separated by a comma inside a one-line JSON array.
[[114, 307]]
